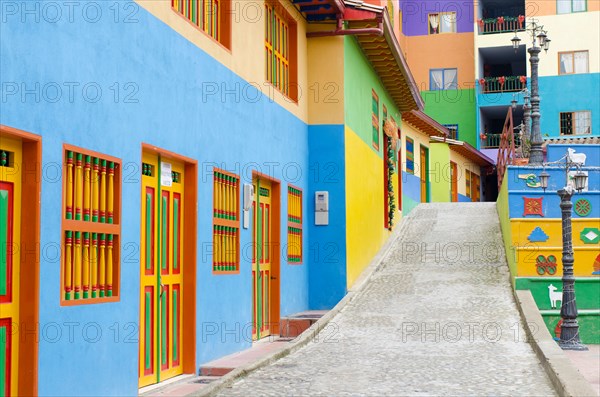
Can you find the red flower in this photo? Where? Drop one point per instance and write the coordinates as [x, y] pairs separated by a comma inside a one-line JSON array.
[[523, 79], [500, 20], [480, 22], [482, 82], [521, 18], [501, 80]]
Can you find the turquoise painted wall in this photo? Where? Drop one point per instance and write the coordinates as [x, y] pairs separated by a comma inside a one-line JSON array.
[[454, 107], [160, 77], [569, 93]]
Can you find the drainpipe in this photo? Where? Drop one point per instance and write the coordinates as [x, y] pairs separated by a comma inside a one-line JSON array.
[[340, 31]]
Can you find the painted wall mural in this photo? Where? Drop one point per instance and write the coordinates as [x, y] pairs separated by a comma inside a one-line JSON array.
[[590, 235], [532, 206], [538, 235]]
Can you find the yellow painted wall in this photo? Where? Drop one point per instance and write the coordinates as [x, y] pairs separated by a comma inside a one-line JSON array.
[[325, 79], [246, 57], [527, 252], [571, 32], [463, 164], [365, 232]]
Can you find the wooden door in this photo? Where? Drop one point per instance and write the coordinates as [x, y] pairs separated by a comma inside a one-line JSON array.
[[424, 175], [10, 236], [161, 263], [261, 263], [454, 181]]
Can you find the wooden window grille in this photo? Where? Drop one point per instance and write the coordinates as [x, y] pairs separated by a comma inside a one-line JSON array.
[[278, 33], [468, 182], [91, 226], [209, 16], [226, 222], [410, 155], [375, 119], [294, 249]]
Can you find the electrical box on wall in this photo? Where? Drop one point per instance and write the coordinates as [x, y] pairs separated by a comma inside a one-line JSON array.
[[322, 208], [248, 199]]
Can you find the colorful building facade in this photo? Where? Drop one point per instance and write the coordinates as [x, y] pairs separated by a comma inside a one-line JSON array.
[[532, 230], [163, 187], [469, 73]]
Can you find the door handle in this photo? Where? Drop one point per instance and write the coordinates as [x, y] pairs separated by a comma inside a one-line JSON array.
[[162, 289], [273, 278]]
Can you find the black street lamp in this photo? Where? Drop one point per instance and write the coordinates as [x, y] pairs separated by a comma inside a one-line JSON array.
[[569, 332], [526, 110], [538, 34]]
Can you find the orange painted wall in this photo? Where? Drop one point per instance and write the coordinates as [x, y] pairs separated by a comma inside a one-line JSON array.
[[441, 51], [536, 8]]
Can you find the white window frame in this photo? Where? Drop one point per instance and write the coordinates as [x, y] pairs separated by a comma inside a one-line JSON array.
[[451, 16]]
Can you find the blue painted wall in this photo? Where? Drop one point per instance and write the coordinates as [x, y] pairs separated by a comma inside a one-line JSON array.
[[551, 200], [592, 153], [463, 199], [160, 77], [568, 93], [327, 245], [411, 192]]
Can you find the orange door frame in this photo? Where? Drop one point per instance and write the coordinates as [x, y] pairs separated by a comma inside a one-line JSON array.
[[31, 178]]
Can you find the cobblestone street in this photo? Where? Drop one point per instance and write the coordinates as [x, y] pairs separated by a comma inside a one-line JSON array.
[[437, 318]]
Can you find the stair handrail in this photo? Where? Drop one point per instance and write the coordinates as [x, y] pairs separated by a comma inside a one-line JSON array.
[[506, 152]]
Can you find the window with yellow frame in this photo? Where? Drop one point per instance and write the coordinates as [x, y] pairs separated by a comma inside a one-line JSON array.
[[211, 16], [280, 49]]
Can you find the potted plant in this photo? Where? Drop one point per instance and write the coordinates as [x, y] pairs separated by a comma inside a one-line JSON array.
[[521, 20]]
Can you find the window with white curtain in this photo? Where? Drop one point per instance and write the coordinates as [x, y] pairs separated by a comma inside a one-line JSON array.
[[573, 62], [569, 6], [443, 79], [442, 22], [576, 123]]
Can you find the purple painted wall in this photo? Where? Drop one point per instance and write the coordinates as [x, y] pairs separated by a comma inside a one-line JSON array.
[[414, 14]]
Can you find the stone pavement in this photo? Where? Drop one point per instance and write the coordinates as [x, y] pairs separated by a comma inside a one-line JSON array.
[[437, 318]]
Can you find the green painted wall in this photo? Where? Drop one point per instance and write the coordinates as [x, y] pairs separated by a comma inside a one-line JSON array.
[[439, 173], [454, 107], [359, 81], [503, 214]]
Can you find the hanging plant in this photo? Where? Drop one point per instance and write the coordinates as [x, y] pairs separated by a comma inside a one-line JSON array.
[[391, 210]]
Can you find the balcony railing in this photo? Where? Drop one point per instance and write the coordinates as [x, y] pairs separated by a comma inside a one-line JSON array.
[[502, 84], [501, 24], [492, 141]]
